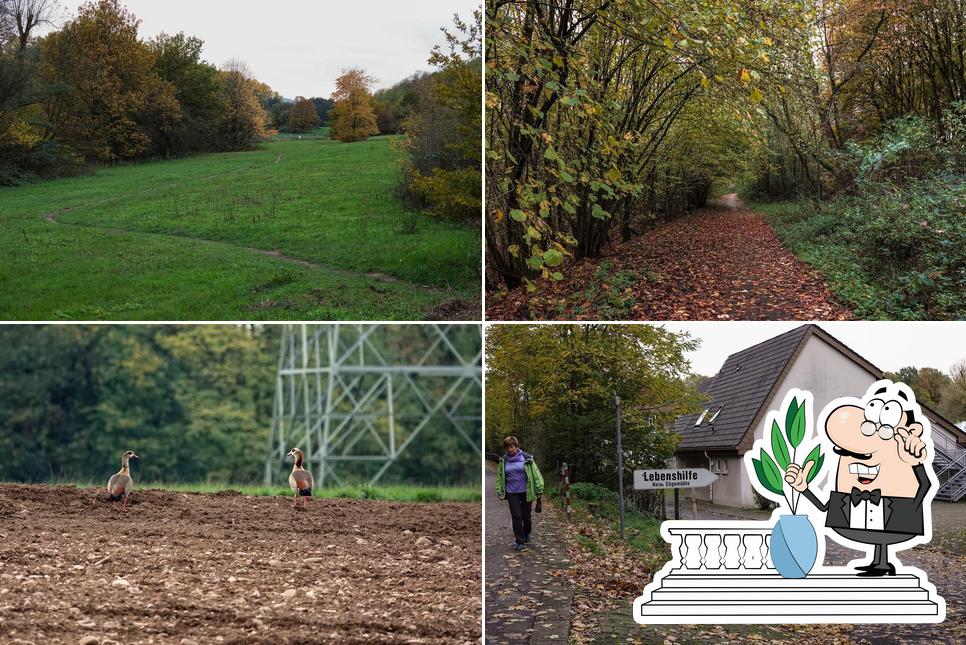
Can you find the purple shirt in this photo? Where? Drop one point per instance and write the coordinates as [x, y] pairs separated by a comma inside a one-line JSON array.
[[516, 478]]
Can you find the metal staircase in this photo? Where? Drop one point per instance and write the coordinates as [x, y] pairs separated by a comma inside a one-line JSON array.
[[950, 466]]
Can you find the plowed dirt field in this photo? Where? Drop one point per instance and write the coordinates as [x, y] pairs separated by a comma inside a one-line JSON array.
[[227, 568]]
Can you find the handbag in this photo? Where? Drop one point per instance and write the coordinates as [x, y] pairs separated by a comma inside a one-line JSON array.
[[539, 506]]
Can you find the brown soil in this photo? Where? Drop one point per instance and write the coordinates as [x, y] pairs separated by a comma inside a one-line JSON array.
[[455, 309], [182, 568]]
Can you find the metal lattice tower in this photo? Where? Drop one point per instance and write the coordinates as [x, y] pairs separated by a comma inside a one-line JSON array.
[[353, 397]]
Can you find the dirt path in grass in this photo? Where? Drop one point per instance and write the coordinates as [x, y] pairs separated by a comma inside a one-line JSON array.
[[723, 262], [525, 601], [193, 568], [51, 218]]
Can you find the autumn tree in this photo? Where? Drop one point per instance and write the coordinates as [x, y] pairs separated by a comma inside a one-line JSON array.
[[244, 121], [353, 116], [303, 116], [553, 386], [953, 398], [24, 150], [445, 170], [198, 91], [111, 90]]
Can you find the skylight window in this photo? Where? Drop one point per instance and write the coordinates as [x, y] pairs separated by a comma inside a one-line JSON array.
[[715, 416], [710, 414]]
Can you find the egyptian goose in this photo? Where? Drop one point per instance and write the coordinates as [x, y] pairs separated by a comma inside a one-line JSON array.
[[121, 484], [300, 480]]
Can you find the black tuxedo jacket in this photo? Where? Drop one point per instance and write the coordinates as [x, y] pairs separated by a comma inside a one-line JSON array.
[[899, 514]]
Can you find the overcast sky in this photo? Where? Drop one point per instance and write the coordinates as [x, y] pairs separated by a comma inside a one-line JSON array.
[[887, 345], [299, 47]]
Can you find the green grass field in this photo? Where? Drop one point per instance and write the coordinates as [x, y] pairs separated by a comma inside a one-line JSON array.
[[390, 492], [304, 229]]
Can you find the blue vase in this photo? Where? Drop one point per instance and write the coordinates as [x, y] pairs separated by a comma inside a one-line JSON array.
[[794, 546]]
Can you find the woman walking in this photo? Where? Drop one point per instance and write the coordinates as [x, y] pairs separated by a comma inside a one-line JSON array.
[[519, 482]]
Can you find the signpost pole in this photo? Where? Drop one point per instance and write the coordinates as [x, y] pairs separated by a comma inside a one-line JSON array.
[[566, 487], [620, 466], [677, 499]]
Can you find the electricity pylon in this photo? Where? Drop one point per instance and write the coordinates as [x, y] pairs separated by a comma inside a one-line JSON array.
[[353, 397]]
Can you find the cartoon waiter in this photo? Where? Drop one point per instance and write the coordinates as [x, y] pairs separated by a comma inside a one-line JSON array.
[[881, 484]]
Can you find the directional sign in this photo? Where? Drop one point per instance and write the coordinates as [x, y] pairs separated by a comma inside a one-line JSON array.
[[673, 478]]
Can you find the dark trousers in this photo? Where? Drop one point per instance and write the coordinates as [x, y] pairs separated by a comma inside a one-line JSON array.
[[881, 539], [520, 512]]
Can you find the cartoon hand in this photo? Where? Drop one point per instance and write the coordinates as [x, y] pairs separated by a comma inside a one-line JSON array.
[[798, 476], [912, 449]]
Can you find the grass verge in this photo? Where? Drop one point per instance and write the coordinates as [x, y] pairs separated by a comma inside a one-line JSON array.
[[390, 492], [888, 257], [597, 507]]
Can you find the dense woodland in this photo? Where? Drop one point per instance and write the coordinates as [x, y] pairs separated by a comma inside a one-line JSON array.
[[194, 401], [553, 387], [606, 116], [89, 90]]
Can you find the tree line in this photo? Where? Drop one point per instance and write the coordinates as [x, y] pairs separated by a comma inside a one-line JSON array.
[[92, 91], [194, 401], [945, 393]]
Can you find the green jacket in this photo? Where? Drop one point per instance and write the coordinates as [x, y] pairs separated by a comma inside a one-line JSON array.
[[534, 478]]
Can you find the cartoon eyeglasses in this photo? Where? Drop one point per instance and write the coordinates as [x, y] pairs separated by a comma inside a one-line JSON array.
[[882, 417]]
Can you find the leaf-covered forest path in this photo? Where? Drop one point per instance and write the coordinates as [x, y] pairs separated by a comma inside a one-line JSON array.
[[525, 601], [722, 262]]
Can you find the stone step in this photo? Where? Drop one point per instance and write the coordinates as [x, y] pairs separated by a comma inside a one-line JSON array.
[[860, 610], [766, 595], [774, 582]]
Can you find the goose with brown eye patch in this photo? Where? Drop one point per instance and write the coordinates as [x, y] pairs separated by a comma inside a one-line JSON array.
[[121, 484], [299, 480]]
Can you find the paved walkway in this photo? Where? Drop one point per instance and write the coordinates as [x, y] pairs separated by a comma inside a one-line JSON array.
[[525, 602]]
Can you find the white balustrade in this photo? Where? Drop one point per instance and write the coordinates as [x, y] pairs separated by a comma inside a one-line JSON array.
[[714, 549]]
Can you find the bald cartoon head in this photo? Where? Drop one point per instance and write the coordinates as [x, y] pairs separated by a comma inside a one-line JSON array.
[[878, 438]]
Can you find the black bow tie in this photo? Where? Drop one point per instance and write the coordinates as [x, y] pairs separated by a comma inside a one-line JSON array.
[[865, 496]]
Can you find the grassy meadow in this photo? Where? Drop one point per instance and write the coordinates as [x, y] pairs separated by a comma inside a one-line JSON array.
[[297, 229]]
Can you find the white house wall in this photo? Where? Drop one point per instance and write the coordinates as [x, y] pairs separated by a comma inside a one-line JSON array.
[[818, 368], [827, 374]]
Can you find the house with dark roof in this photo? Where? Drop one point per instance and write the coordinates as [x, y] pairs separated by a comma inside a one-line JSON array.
[[755, 380]]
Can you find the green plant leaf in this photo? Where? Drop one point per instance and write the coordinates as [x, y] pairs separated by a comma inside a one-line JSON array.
[[790, 412], [818, 467], [518, 215], [816, 456], [760, 472], [779, 447], [772, 471], [599, 212], [553, 258], [796, 432]]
